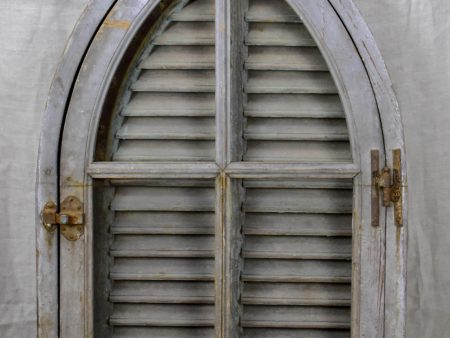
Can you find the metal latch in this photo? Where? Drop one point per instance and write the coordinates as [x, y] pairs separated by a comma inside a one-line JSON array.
[[70, 218], [389, 182]]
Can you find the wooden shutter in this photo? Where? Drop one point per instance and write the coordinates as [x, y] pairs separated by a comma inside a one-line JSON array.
[[172, 257], [155, 239]]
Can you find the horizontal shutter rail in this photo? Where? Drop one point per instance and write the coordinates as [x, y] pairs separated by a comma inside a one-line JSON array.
[[291, 170], [132, 170], [171, 182]]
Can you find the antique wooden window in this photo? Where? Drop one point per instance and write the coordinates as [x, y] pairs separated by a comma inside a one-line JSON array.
[[221, 150]]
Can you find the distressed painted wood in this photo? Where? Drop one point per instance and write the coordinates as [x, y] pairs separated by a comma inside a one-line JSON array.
[[291, 170], [329, 35], [124, 170], [396, 238], [318, 16], [47, 184], [76, 263]]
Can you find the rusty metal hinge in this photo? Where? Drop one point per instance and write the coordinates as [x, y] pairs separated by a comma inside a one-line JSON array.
[[70, 218], [389, 182]]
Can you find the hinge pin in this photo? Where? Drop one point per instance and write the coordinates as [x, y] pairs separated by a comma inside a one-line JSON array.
[[389, 182]]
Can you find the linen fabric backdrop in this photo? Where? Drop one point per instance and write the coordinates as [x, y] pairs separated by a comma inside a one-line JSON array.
[[414, 39]]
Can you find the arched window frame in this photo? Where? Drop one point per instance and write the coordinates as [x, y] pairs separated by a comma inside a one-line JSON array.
[[108, 26]]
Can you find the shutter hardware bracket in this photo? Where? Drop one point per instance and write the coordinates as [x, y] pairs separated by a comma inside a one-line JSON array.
[[70, 218], [389, 182]]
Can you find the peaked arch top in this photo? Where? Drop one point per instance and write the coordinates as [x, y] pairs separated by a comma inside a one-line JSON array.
[[290, 108]]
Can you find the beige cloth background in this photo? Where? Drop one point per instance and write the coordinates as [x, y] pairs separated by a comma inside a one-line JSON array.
[[414, 38]]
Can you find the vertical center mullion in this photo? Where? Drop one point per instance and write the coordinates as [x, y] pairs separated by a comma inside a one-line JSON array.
[[229, 148], [222, 81], [229, 83]]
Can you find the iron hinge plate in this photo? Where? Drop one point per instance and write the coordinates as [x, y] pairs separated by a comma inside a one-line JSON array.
[[389, 182], [70, 218]]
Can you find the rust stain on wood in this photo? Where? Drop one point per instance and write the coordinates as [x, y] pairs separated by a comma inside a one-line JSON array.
[[120, 24]]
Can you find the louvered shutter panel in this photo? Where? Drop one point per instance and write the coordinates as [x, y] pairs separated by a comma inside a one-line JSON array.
[[159, 262], [292, 106], [170, 116], [297, 259], [155, 239], [297, 247], [163, 259]]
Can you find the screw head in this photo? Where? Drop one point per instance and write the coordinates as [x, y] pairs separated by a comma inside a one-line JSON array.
[[64, 219]]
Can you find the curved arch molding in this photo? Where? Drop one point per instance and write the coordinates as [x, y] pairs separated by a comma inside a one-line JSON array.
[[96, 17]]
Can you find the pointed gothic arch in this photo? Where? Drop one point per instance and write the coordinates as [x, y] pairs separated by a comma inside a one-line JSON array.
[[95, 63]]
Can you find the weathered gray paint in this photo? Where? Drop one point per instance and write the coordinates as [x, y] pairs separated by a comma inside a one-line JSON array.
[[52, 154], [47, 167], [396, 238]]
